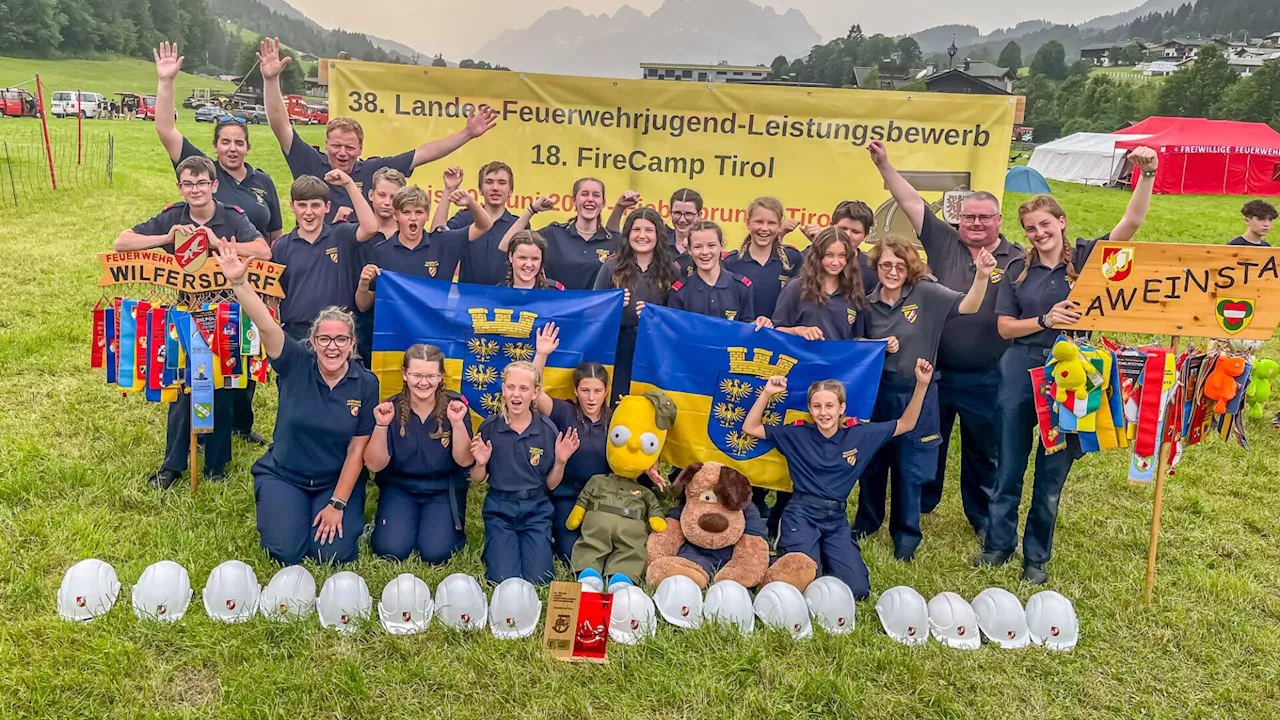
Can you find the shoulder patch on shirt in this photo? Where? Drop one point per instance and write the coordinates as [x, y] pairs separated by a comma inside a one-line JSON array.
[[558, 286], [677, 285], [171, 206], [238, 209], [798, 423], [850, 422], [745, 280]]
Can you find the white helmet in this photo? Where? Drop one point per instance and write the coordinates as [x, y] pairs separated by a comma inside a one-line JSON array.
[[231, 593], [344, 601], [831, 603], [1052, 622], [290, 594], [514, 609], [679, 600], [406, 607], [954, 622], [904, 615], [780, 605], [1002, 619], [633, 617], [163, 592], [460, 603], [729, 603], [89, 589]]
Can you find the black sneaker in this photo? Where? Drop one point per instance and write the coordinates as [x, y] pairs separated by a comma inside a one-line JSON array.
[[219, 475], [1035, 573], [252, 438], [990, 559], [903, 555], [163, 479]]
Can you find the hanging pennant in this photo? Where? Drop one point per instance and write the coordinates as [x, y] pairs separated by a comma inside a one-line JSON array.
[[97, 353], [229, 339], [109, 328], [1050, 437], [155, 354], [128, 344], [200, 368]]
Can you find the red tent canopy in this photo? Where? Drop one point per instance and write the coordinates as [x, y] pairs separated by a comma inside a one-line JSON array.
[[1211, 157]]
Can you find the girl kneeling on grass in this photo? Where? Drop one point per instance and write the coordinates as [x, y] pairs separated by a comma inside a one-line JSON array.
[[825, 458], [310, 484], [523, 457], [420, 449]]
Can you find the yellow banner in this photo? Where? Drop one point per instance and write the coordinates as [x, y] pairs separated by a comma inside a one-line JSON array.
[[732, 143], [153, 267]]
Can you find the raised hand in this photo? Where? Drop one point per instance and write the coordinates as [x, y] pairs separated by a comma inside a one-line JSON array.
[[630, 198], [269, 61], [461, 198], [384, 413], [337, 177], [879, 155], [457, 411], [1144, 158], [548, 340], [542, 204], [986, 263], [775, 385], [481, 450], [168, 61], [789, 224], [233, 268], [924, 371], [566, 445], [482, 121], [452, 179], [367, 274]]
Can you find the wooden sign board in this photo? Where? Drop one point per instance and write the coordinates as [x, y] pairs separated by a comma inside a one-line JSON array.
[[154, 267], [1220, 291]]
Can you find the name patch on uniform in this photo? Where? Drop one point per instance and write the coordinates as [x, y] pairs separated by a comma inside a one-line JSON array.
[[431, 266], [911, 312], [444, 439], [535, 456], [355, 407], [853, 315], [996, 276], [851, 457], [333, 254], [730, 314], [929, 438]]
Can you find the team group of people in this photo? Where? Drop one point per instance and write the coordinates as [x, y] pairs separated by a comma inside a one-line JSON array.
[[960, 334]]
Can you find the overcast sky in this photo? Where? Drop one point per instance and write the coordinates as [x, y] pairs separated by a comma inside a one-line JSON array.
[[458, 29]]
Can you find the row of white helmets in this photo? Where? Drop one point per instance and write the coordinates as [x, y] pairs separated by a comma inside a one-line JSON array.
[[232, 594]]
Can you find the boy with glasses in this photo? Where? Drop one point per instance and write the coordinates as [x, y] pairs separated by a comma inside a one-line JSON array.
[[197, 181]]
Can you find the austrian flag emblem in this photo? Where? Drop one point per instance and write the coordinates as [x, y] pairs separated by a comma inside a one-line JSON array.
[[1234, 314]]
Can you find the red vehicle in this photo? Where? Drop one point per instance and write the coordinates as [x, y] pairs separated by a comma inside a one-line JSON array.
[[320, 113], [16, 102], [147, 110], [299, 111]]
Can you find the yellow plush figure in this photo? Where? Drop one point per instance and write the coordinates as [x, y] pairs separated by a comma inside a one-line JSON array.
[[1069, 372], [615, 511]]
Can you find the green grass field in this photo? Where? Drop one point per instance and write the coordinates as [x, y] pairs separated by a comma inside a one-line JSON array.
[[74, 456], [100, 76]]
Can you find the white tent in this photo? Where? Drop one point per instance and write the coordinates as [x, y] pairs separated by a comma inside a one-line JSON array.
[[1088, 158]]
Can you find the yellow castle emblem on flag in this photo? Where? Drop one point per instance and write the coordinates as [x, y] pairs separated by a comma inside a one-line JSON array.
[[735, 393], [497, 338]]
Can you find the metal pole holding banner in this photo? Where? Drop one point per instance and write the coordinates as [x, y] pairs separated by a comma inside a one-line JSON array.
[[9, 164], [44, 125], [79, 127], [1163, 458]]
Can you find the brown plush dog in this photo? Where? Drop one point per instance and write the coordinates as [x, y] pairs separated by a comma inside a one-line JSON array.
[[709, 542]]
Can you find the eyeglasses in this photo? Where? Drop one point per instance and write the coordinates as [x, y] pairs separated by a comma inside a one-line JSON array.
[[197, 185], [981, 219], [897, 268], [232, 118], [676, 214], [339, 341], [420, 378]]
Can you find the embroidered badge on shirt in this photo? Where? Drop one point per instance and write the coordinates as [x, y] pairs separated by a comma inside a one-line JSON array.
[[431, 266], [730, 314], [333, 254], [444, 440], [535, 456], [355, 407], [853, 315], [910, 312], [851, 457], [996, 276], [602, 254]]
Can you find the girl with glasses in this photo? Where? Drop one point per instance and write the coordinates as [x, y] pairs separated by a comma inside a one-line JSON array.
[[420, 450], [310, 484], [908, 311]]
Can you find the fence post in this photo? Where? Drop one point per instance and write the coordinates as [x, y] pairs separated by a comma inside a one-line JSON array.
[[44, 124], [9, 164], [79, 127], [111, 158]]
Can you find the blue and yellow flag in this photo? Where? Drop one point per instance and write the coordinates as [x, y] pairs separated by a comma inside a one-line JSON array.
[[481, 329], [714, 369]]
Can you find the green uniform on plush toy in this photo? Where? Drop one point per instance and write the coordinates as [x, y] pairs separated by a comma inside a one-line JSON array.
[[615, 512], [1260, 386]]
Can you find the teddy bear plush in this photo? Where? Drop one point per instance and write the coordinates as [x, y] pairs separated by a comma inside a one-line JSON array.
[[709, 542]]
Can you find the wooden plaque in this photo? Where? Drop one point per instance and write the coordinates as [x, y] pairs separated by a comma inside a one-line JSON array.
[[1174, 289]]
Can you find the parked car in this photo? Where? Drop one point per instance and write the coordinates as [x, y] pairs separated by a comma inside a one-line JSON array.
[[88, 105], [320, 114], [256, 114], [16, 102], [209, 113]]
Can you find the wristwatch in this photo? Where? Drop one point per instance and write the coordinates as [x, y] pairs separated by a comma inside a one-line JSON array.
[[337, 504], [1042, 322], [1148, 174]]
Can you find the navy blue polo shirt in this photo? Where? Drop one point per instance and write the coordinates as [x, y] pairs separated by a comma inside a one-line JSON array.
[[306, 160], [1043, 288], [573, 261], [314, 423], [590, 458], [520, 461], [838, 320], [227, 222], [916, 319], [729, 298], [969, 342], [256, 196], [767, 280], [316, 274], [645, 290], [422, 459], [482, 262], [828, 467], [1241, 241], [435, 255]]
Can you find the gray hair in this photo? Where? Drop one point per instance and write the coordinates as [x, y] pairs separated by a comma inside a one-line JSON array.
[[981, 195], [331, 314]]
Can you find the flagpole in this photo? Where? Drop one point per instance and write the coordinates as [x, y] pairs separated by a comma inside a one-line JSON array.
[[1162, 467]]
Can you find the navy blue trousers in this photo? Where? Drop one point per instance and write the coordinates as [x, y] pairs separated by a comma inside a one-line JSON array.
[[819, 528], [913, 460], [285, 513], [217, 445], [421, 521], [243, 414], [562, 538], [517, 536], [970, 396], [1018, 430]]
